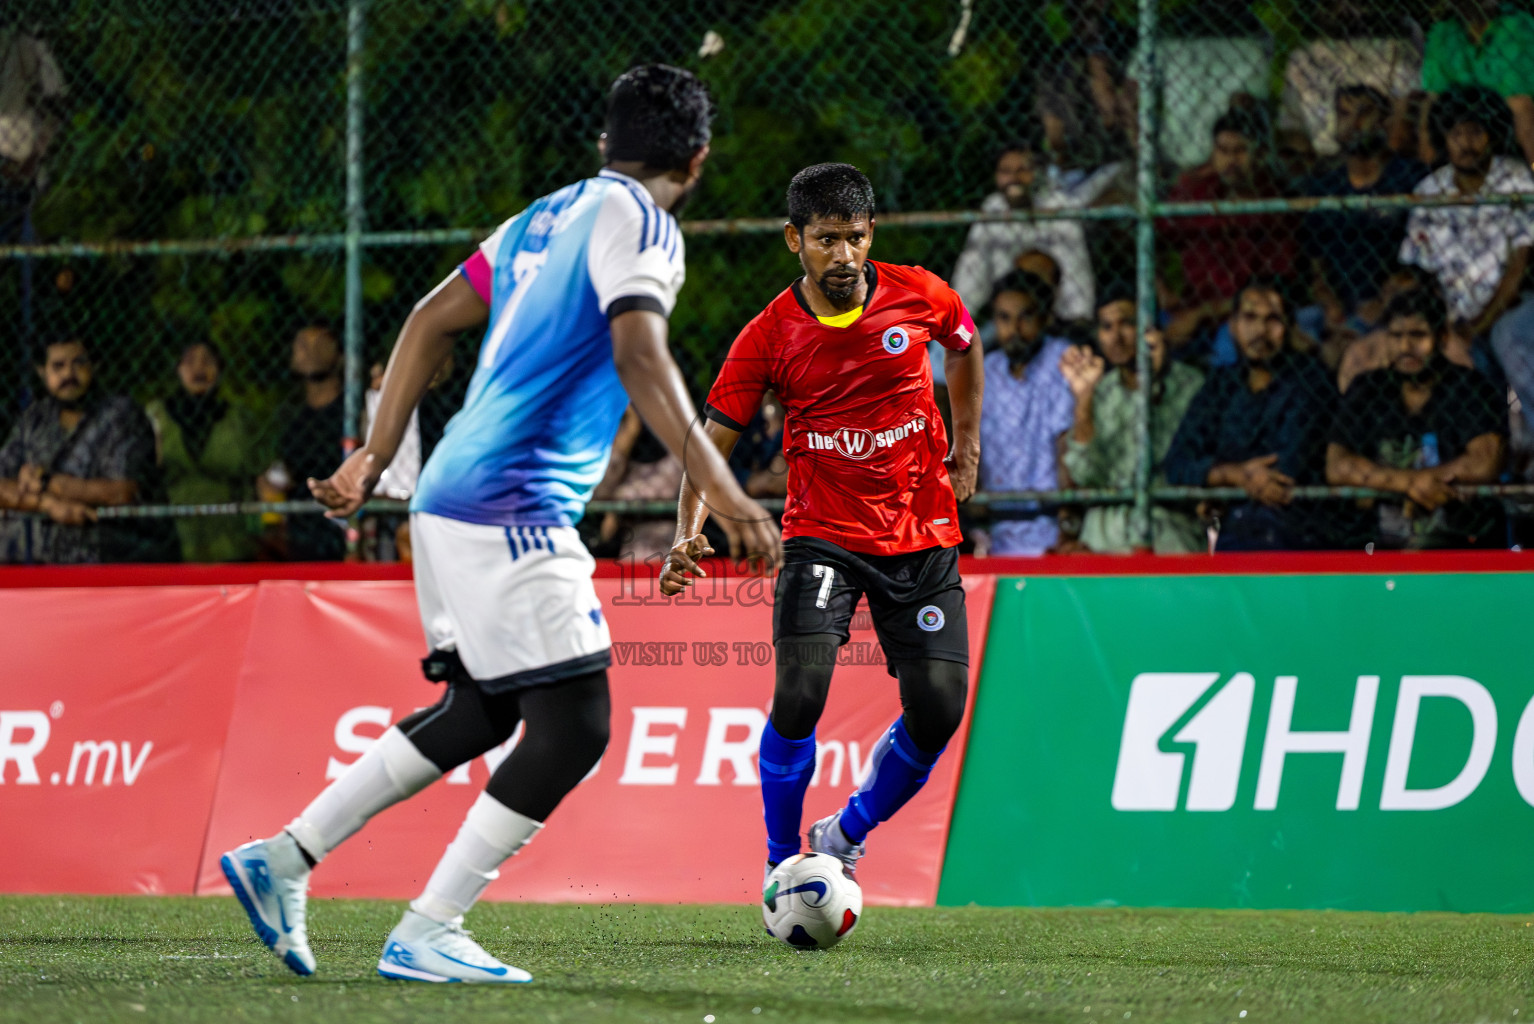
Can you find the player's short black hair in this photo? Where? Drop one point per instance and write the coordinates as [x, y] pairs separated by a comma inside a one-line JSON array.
[[40, 350], [837, 191], [1428, 303], [659, 115], [1473, 104], [1032, 285]]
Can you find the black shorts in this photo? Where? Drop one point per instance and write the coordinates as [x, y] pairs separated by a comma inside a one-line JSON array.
[[916, 600]]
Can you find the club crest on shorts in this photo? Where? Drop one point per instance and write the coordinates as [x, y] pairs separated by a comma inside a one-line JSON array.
[[896, 340], [930, 619]]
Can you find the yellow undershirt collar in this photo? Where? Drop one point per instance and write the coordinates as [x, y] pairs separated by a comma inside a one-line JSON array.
[[841, 319]]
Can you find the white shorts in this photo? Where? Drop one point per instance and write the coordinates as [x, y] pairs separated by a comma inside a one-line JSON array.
[[515, 602]]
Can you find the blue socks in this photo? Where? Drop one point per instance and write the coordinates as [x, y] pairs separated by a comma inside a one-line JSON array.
[[899, 771], [786, 767]]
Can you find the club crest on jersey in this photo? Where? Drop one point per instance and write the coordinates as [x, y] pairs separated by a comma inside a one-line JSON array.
[[896, 340], [930, 619]]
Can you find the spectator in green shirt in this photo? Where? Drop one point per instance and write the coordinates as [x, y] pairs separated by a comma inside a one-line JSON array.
[[207, 451], [1102, 450], [1490, 44]]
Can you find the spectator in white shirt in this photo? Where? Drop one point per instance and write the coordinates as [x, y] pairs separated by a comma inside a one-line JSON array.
[[1479, 253], [1024, 182]]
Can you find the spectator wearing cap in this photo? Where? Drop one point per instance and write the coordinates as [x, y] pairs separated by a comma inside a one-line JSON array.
[[1103, 446], [1350, 252], [71, 452], [1479, 253], [1028, 406], [1418, 428], [1484, 43], [1258, 425], [1219, 252], [208, 455]]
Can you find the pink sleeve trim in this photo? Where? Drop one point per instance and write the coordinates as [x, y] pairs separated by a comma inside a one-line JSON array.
[[959, 340], [476, 270]]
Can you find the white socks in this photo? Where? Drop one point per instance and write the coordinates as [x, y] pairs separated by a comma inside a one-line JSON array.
[[391, 770], [491, 833], [387, 773]]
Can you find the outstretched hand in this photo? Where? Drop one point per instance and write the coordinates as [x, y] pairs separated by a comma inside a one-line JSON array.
[[347, 489]]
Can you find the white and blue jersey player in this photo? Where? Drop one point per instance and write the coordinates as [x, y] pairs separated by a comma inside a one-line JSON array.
[[501, 575], [574, 294]]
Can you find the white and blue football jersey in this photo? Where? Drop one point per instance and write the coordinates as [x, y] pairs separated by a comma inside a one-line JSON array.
[[536, 429]]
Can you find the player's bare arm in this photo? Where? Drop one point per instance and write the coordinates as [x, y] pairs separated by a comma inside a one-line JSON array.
[[424, 344], [655, 386], [691, 509], [966, 387]]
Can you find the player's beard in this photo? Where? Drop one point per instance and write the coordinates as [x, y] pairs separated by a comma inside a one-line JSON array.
[[837, 288]]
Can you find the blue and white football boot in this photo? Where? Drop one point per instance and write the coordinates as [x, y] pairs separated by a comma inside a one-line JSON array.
[[420, 949], [271, 879], [826, 836]]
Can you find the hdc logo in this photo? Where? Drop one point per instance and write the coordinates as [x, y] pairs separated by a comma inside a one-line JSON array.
[[1150, 773]]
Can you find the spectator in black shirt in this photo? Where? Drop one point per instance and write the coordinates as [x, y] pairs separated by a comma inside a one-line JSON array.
[[1417, 428], [71, 452], [310, 448], [1258, 425], [1352, 251]]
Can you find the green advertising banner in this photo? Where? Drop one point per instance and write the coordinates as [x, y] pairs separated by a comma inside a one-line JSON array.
[[1356, 742]]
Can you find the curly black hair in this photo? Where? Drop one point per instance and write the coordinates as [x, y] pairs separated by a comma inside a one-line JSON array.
[[658, 115], [1474, 104], [838, 191]]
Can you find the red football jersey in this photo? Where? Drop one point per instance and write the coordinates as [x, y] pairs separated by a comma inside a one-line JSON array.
[[864, 441]]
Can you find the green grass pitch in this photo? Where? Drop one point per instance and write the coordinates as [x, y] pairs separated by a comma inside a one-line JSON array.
[[182, 959]]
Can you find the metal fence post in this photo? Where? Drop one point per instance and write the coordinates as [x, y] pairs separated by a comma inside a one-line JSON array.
[[356, 224], [1145, 268]]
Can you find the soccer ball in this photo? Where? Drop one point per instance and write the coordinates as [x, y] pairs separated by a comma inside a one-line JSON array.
[[809, 904]]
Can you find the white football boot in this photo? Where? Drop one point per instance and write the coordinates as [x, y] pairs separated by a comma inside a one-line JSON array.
[[826, 836], [271, 879], [420, 949]]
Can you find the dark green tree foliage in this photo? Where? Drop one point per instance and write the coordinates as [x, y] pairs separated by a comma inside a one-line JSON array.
[[204, 119]]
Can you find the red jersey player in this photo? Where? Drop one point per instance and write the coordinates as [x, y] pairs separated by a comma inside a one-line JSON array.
[[872, 506]]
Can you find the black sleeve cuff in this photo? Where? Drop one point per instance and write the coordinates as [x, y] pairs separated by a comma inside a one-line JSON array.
[[718, 417], [629, 303]]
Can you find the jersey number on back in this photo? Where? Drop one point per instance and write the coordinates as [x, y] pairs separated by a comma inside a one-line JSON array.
[[524, 270]]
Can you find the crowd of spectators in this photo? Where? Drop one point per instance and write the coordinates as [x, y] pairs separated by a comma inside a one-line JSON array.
[[1375, 345]]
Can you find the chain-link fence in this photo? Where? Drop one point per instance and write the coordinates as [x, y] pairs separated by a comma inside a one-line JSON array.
[[235, 204]]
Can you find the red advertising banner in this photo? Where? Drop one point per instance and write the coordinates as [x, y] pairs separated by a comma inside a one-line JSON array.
[[113, 710], [671, 814]]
